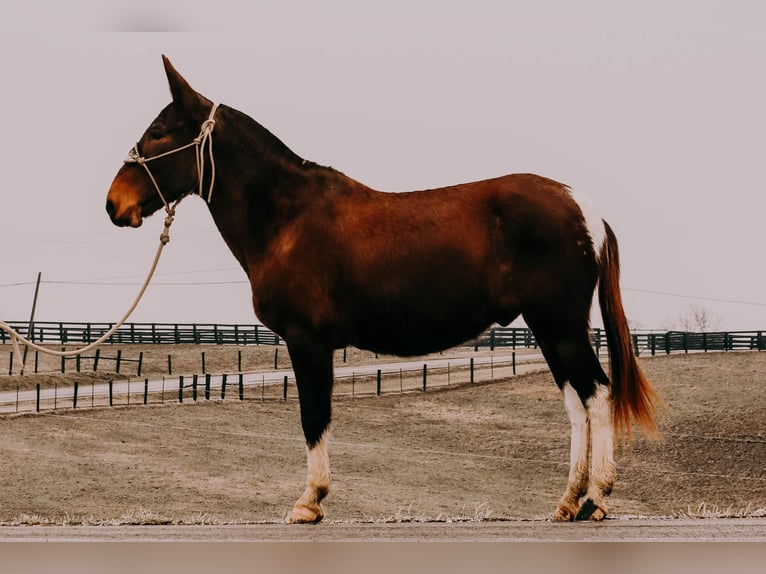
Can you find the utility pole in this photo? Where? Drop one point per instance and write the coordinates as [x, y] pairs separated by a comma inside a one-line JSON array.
[[31, 328]]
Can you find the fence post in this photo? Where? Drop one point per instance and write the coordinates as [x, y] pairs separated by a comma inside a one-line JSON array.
[[596, 340], [77, 363], [119, 360], [207, 387], [223, 386], [239, 360], [276, 356], [471, 369], [203, 363], [241, 387], [181, 389], [37, 357], [140, 363], [194, 387], [170, 365], [492, 340], [111, 393], [513, 361], [10, 365], [377, 392], [284, 390], [95, 360], [425, 376], [146, 390], [74, 398], [63, 361], [37, 401]]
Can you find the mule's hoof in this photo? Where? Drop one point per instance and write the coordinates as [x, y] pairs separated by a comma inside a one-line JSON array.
[[590, 511], [305, 514], [564, 513]]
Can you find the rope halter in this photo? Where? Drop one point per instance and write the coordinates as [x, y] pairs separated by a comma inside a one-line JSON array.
[[200, 143]]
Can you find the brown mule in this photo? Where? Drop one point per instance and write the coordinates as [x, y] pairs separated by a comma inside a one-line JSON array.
[[334, 263]]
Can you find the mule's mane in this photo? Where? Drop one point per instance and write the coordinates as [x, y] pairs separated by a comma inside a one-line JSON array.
[[267, 145]]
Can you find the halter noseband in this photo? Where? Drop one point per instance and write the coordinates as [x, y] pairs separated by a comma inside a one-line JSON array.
[[205, 138]]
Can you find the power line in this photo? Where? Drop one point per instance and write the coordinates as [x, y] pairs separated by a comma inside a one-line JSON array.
[[701, 298], [156, 283], [106, 282]]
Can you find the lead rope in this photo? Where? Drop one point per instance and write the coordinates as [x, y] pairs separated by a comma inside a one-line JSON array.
[[205, 138], [17, 338]]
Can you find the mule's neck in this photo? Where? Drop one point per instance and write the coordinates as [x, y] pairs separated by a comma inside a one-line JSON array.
[[260, 182]]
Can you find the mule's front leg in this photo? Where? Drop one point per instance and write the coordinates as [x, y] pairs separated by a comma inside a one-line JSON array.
[[312, 364], [308, 508]]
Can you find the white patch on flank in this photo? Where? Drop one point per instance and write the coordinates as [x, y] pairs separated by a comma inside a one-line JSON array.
[[593, 221]]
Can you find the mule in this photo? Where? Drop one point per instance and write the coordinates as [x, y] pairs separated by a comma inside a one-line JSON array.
[[334, 263]]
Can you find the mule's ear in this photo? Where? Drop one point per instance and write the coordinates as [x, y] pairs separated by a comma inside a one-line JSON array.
[[183, 94]]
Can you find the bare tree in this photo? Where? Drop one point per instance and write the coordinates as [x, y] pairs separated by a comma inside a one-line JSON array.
[[697, 319]]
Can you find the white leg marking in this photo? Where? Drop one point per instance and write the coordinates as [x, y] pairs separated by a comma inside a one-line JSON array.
[[579, 447], [319, 466], [593, 221], [602, 470], [577, 483], [308, 507]]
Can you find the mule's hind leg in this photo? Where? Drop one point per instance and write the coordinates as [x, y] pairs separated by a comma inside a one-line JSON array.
[[602, 466], [312, 364], [579, 456], [587, 394], [585, 389]]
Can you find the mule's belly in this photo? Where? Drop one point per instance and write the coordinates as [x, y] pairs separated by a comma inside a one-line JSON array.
[[405, 345], [409, 334]]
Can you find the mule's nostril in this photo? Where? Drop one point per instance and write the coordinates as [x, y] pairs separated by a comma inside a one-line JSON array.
[[110, 208]]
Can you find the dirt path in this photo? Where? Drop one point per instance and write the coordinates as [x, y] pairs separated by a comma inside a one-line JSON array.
[[614, 530]]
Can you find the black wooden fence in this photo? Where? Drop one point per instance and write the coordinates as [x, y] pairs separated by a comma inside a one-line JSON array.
[[506, 337], [147, 333]]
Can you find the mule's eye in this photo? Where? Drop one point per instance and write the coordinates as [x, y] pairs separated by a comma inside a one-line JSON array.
[[156, 134]]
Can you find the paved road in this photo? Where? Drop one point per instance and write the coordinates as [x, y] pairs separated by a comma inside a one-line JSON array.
[[63, 395], [614, 530]]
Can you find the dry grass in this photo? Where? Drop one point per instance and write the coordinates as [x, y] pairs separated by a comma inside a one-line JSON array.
[[483, 452]]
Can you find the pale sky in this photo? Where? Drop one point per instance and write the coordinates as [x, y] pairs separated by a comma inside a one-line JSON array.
[[654, 109]]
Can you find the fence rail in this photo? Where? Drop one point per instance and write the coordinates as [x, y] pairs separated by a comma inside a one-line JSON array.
[[147, 333], [278, 386], [62, 333]]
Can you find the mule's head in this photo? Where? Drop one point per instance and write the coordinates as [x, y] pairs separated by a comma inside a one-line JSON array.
[[133, 195]]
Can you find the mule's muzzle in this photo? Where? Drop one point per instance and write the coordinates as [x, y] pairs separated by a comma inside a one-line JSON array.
[[110, 210], [127, 218]]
